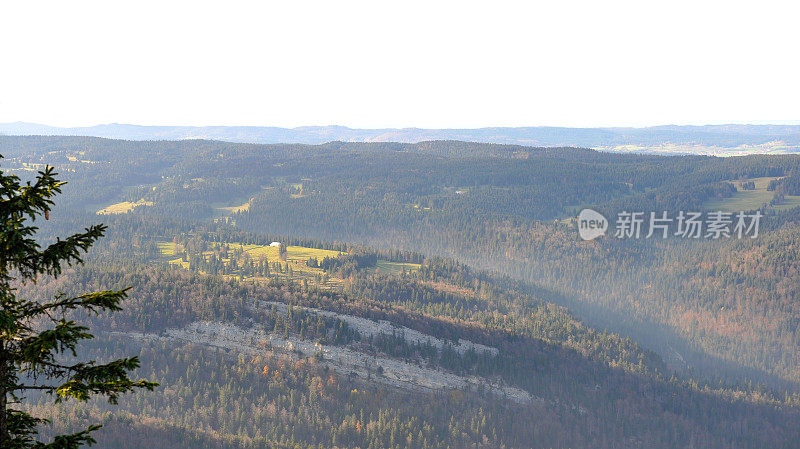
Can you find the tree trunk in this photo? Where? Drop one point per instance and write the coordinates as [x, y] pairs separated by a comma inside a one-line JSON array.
[[5, 438]]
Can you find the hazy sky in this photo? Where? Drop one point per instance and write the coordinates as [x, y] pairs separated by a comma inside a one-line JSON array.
[[399, 64]]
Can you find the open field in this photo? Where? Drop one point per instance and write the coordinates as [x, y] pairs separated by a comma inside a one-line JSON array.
[[235, 204], [123, 207], [229, 210], [384, 266], [789, 202], [167, 248], [293, 266], [293, 253], [296, 260], [745, 200]]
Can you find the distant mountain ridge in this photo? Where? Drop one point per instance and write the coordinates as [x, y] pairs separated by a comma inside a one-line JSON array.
[[706, 139]]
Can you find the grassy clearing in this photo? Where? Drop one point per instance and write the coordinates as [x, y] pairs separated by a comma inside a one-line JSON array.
[[384, 266], [789, 202], [123, 207], [744, 200], [293, 267], [303, 253], [227, 210], [230, 210], [235, 205], [168, 248]]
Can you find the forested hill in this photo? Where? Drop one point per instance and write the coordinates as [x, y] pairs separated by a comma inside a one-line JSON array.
[[709, 139], [333, 345], [456, 262], [499, 207]]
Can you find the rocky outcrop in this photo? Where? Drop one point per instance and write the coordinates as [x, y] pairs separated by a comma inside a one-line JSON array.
[[367, 327], [344, 360]]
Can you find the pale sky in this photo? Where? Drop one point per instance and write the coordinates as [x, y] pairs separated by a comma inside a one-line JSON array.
[[378, 64]]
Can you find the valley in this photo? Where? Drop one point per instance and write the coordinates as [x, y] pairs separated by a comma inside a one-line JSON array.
[[326, 286]]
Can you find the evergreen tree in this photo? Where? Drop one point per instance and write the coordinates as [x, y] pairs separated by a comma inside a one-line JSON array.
[[38, 340]]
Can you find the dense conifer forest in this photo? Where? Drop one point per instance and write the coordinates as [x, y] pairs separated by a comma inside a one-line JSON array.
[[292, 256]]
